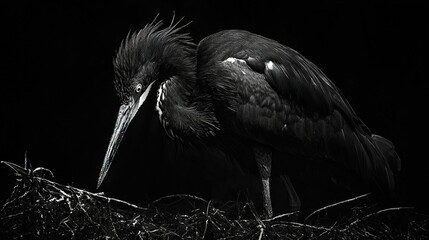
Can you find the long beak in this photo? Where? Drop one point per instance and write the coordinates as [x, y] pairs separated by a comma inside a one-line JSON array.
[[125, 115]]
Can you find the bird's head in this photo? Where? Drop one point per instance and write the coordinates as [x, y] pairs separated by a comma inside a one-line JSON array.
[[143, 61]]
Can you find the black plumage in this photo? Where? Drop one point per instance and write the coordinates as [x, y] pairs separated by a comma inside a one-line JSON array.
[[238, 85]]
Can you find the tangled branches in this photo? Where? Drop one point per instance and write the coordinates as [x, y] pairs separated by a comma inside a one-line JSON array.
[[39, 208]]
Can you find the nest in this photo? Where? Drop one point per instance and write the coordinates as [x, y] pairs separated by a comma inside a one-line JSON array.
[[39, 208]]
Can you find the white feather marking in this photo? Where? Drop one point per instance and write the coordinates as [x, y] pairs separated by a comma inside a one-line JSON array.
[[158, 101], [269, 65], [230, 59], [234, 60], [144, 95]]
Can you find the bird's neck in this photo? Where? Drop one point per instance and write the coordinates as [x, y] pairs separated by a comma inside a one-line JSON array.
[[180, 112]]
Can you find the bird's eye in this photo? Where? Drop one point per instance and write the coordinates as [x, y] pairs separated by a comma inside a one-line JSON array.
[[138, 87]]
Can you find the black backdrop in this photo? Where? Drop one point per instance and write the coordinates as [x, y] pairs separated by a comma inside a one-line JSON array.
[[59, 104]]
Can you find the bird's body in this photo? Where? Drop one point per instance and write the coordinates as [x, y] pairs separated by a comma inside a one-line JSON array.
[[245, 86]]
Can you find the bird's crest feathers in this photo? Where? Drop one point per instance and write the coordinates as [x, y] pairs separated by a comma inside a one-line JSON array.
[[142, 54]]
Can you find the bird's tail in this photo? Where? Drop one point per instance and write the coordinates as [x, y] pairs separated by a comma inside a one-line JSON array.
[[392, 162], [370, 156], [383, 164]]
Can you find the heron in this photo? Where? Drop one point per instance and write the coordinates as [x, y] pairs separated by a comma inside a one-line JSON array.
[[247, 86]]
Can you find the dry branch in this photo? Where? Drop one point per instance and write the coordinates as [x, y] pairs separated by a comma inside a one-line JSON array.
[[39, 208]]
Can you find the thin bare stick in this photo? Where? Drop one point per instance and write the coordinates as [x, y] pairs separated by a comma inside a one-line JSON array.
[[281, 216], [207, 220], [179, 196], [335, 204], [377, 213], [261, 233]]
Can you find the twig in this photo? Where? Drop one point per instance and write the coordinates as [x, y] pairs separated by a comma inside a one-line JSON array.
[[281, 216], [18, 169], [377, 213], [253, 211], [179, 196], [111, 221], [207, 220], [261, 233], [301, 225], [335, 204]]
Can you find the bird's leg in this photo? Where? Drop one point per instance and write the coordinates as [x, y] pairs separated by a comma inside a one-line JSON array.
[[263, 159]]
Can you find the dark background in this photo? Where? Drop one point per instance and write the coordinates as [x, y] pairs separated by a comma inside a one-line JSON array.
[[59, 104]]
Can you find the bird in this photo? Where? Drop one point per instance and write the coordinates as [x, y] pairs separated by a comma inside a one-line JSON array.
[[250, 88]]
